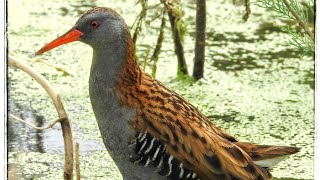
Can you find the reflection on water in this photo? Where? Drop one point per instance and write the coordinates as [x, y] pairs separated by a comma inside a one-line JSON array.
[[28, 144], [25, 139], [21, 137]]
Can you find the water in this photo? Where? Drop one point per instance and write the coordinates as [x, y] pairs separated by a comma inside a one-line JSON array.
[[255, 87]]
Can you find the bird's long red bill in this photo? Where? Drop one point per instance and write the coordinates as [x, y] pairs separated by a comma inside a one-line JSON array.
[[70, 36]]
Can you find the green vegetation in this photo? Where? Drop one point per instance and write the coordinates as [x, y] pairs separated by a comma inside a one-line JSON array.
[[303, 14]]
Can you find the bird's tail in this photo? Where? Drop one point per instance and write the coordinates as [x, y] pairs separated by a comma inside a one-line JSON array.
[[267, 156]]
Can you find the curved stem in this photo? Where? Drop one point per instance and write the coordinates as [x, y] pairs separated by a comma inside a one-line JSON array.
[[65, 124], [35, 127]]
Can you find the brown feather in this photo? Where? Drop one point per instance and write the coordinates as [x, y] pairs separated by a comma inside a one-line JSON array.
[[261, 152], [188, 135]]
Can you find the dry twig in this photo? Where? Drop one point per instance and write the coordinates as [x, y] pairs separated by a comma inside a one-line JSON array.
[[35, 127], [77, 161], [65, 124], [65, 73], [247, 13], [139, 19], [174, 13], [156, 52]]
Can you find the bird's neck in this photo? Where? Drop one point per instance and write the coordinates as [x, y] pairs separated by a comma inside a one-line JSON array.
[[115, 63], [113, 67]]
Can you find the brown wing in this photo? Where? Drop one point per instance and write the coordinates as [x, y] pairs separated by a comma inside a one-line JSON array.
[[261, 152], [188, 135]]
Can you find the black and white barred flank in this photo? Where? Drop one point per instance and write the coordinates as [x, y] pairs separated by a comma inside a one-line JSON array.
[[149, 150]]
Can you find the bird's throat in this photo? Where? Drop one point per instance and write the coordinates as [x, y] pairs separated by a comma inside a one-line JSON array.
[[114, 64]]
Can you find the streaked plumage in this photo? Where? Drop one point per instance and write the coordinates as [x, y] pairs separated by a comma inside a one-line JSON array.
[[186, 133], [165, 134]]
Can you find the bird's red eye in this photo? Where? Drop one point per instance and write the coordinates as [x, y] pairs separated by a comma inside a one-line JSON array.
[[94, 24]]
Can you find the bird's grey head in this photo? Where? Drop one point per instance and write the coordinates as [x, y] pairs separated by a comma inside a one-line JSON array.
[[101, 27]]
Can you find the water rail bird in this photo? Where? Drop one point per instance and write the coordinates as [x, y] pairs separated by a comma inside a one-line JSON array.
[[149, 130]]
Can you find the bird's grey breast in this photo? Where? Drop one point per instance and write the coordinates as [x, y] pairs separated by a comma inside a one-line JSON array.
[[112, 118]]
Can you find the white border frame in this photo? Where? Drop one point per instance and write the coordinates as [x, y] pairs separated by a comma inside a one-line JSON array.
[[3, 93]]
